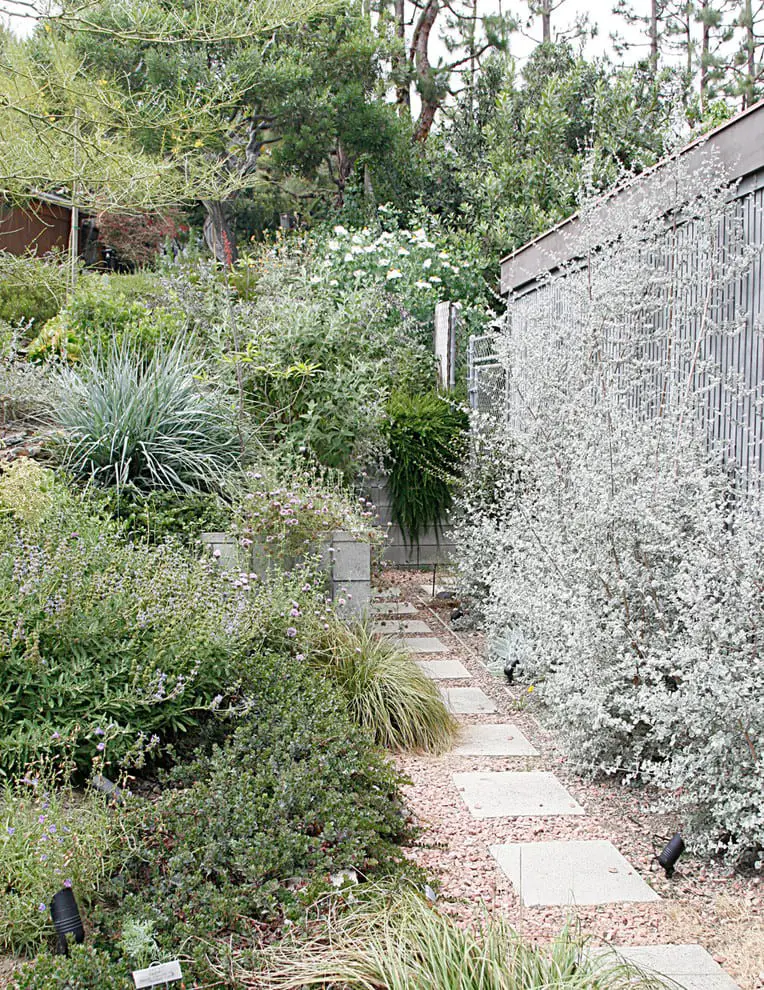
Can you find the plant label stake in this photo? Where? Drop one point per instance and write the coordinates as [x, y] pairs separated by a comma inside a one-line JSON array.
[[158, 973]]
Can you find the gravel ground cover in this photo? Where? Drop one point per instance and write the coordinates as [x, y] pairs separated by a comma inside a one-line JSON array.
[[707, 903]]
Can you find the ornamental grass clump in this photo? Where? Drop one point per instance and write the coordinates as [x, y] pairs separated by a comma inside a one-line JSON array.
[[386, 692], [146, 422], [399, 941]]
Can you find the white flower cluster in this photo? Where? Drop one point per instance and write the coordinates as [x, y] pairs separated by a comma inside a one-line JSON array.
[[606, 538]]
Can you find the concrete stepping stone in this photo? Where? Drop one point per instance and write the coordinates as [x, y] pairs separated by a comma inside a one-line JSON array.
[[445, 670], [468, 701], [396, 627], [493, 740], [515, 794], [423, 644], [427, 589], [578, 872], [689, 966], [385, 593], [393, 608]]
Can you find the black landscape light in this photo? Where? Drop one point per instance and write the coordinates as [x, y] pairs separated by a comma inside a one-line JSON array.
[[671, 853], [509, 670], [66, 919]]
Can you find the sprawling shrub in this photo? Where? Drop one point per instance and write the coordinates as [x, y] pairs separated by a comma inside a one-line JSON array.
[[621, 557], [108, 310], [316, 365], [106, 647], [427, 438], [146, 422], [295, 794], [32, 289]]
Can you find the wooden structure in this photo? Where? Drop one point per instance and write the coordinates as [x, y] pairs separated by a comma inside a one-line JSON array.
[[42, 225]]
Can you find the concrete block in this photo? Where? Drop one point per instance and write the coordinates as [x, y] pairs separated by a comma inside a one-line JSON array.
[[576, 872], [515, 794], [690, 966], [493, 740], [399, 627], [392, 608], [423, 644], [468, 701], [445, 670]]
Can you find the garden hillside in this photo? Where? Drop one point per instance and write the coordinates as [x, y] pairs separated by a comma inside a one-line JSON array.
[[250, 284]]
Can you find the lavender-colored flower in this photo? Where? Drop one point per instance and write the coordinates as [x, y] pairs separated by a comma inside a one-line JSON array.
[[291, 632], [10, 829], [41, 819], [67, 883], [56, 735], [99, 732], [52, 829], [42, 907], [101, 746]]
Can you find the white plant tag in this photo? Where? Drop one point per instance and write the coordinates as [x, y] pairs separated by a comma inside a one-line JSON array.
[[158, 973]]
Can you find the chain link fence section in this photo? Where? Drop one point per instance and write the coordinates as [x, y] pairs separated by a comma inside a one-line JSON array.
[[487, 383]]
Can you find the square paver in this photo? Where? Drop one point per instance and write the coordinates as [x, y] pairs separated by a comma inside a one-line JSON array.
[[576, 872], [493, 740], [423, 644], [383, 593], [468, 701], [445, 670], [393, 608], [515, 794], [689, 966], [397, 627]]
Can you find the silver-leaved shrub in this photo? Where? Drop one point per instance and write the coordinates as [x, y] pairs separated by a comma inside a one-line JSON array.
[[607, 537]]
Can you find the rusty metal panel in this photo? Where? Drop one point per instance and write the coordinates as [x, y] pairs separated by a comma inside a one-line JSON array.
[[35, 228]]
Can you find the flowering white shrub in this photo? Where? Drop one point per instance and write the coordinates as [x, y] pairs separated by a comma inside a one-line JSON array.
[[600, 525]]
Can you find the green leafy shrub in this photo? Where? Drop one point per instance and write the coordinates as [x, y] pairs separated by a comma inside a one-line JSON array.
[[50, 838], [159, 515], [427, 438], [105, 646], [32, 289], [316, 369], [399, 941], [147, 423], [98, 315], [386, 692], [85, 968], [295, 794]]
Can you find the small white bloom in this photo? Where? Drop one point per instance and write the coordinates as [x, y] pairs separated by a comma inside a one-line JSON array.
[[340, 230], [333, 282], [359, 272], [427, 263], [347, 257], [422, 285], [394, 273], [403, 252], [334, 245], [435, 278]]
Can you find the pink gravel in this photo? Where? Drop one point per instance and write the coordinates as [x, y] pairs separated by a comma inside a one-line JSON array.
[[705, 902]]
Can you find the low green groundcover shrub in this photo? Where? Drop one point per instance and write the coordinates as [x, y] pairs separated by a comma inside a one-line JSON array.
[[85, 968], [258, 825], [32, 289]]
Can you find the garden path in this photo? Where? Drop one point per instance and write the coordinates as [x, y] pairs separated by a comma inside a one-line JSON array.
[[506, 825]]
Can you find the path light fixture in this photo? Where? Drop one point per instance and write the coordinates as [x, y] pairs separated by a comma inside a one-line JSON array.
[[671, 853], [509, 670], [66, 919]]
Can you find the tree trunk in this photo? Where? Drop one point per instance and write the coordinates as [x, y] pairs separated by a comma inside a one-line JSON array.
[[705, 56], [419, 55], [654, 34], [750, 51], [218, 232], [402, 89], [546, 22]]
